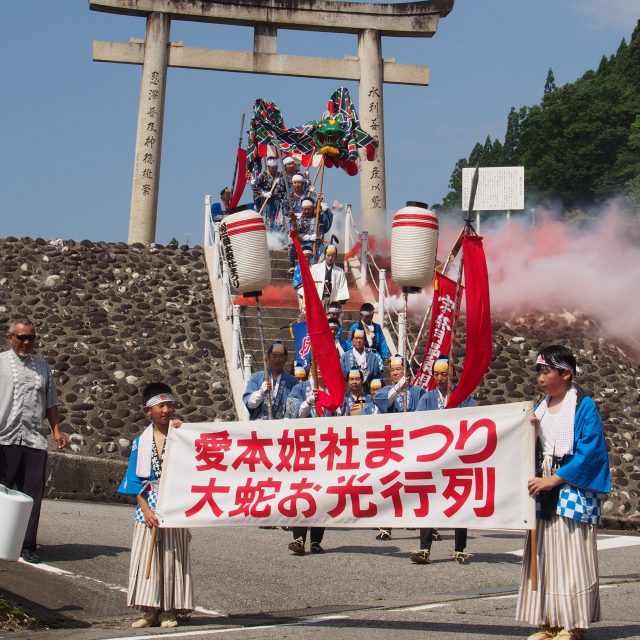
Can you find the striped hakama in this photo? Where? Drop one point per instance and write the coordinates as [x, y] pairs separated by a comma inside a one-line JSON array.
[[169, 585], [568, 595]]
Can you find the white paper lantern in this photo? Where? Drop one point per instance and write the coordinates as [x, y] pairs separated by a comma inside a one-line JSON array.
[[414, 244], [244, 241]]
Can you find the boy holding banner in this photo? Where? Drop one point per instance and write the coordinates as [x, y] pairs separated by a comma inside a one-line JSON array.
[[573, 471], [160, 571]]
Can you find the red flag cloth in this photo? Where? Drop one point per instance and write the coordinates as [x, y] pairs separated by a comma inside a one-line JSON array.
[[241, 178], [439, 340], [479, 348], [322, 342]]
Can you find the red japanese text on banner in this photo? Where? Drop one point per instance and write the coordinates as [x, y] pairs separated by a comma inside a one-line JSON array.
[[455, 468]]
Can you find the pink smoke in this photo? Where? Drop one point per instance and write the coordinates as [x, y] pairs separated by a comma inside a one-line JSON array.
[[556, 268]]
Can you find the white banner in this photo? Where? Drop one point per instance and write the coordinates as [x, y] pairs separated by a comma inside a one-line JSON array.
[[499, 189], [451, 468]]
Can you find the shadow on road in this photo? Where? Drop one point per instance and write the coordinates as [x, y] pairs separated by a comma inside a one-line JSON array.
[[59, 552]]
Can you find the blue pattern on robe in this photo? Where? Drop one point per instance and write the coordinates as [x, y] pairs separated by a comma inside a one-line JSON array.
[[287, 382], [382, 399], [429, 401]]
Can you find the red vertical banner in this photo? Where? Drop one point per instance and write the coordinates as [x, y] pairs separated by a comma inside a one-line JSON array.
[[241, 178], [479, 347], [439, 339]]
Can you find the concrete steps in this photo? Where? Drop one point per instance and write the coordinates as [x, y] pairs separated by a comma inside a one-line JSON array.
[[279, 309]]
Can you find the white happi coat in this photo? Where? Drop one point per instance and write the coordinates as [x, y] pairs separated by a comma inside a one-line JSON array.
[[339, 289]]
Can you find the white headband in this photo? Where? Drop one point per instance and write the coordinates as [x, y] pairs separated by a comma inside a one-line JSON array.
[[159, 399], [554, 363]]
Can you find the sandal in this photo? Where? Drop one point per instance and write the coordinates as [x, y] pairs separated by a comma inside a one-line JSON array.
[[421, 557], [543, 633], [385, 534], [150, 619], [461, 557]]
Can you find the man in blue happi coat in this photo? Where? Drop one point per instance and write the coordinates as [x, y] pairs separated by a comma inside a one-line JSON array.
[[373, 336], [369, 362], [356, 401], [272, 389], [391, 399]]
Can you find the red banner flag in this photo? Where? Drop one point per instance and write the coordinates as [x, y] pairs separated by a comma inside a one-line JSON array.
[[479, 348], [439, 339], [241, 178], [322, 342]]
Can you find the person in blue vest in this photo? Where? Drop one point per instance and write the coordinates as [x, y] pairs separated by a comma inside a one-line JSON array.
[[391, 399], [432, 401], [302, 404], [369, 362], [272, 389], [219, 209], [356, 401], [572, 475], [373, 336]]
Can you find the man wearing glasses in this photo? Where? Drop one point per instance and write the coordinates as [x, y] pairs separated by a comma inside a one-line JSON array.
[[27, 395]]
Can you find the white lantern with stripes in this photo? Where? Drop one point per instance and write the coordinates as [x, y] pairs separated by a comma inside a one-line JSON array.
[[244, 243], [414, 244]]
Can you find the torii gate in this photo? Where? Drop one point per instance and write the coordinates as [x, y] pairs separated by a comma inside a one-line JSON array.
[[369, 21]]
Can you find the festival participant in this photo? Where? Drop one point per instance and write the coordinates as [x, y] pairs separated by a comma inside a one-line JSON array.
[[168, 589], [356, 401], [300, 372], [341, 345], [374, 386], [302, 403], [334, 310], [268, 185], [391, 399], [307, 231], [369, 362], [219, 209], [27, 395], [373, 336], [291, 169], [432, 401], [572, 474], [273, 389], [307, 251], [292, 212], [330, 280]]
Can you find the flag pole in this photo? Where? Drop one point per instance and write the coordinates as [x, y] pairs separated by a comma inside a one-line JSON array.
[[269, 399], [318, 205], [456, 313], [235, 171]]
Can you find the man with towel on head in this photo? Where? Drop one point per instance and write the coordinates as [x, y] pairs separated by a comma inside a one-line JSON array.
[[373, 336], [330, 279], [269, 185], [273, 388]]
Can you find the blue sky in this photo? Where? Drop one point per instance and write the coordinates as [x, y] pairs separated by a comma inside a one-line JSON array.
[[67, 124]]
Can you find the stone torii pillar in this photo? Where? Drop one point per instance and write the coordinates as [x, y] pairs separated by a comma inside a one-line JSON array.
[[368, 21]]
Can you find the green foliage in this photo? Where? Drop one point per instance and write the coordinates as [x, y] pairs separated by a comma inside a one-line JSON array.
[[580, 145]]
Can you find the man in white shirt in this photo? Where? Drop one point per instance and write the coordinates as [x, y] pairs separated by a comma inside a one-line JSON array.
[[330, 279]]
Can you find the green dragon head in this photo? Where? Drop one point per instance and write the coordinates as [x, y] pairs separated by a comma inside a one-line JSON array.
[[329, 135]]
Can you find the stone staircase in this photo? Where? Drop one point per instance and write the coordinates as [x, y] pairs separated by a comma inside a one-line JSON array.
[[279, 308]]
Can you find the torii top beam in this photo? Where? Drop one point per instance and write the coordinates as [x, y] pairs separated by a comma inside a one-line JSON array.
[[406, 19]]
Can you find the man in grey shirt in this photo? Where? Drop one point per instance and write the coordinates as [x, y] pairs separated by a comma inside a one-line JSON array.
[[27, 395]]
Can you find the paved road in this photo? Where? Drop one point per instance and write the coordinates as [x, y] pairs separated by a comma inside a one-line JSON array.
[[249, 586]]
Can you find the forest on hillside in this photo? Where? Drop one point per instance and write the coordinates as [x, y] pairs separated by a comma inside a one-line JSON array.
[[580, 145]]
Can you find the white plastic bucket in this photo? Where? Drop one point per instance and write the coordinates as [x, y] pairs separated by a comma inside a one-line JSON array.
[[414, 243], [15, 509], [244, 240]]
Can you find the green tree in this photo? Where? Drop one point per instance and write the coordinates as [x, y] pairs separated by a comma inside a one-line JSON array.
[[550, 84]]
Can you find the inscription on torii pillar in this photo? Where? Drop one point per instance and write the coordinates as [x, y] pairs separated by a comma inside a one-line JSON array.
[[368, 21]]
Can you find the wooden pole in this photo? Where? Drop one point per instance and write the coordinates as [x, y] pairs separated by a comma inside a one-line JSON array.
[[317, 225], [269, 399], [154, 535]]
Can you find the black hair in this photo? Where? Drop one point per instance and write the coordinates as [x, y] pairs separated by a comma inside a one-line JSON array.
[[154, 389], [358, 370], [225, 189], [334, 321], [270, 349], [367, 307], [558, 353]]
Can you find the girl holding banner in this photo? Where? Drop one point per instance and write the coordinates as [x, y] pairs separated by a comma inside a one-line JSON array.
[[573, 470]]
